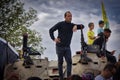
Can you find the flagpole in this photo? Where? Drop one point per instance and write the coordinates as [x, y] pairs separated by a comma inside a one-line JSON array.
[[104, 15]]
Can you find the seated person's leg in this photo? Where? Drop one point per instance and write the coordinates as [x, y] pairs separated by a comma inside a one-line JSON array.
[[111, 58]]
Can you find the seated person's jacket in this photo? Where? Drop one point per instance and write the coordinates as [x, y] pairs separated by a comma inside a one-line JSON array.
[[102, 43]]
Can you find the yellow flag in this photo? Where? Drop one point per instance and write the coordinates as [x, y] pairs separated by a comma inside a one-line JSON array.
[[104, 16]]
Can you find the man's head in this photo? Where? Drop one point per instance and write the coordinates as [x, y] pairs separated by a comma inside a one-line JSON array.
[[101, 23], [107, 33], [109, 70], [91, 25], [68, 16]]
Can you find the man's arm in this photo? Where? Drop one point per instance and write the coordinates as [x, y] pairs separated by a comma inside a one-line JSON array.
[[54, 28], [108, 52], [80, 26], [99, 41], [112, 52]]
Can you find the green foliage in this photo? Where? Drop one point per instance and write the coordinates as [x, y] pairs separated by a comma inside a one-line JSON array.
[[15, 20]]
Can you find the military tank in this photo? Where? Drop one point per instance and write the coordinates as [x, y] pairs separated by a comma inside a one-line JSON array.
[[29, 66]]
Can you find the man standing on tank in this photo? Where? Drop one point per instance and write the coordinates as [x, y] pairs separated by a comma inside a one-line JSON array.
[[65, 32]]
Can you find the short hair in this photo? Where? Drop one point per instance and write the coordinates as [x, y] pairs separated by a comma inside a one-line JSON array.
[[101, 22], [66, 13], [107, 30], [109, 66], [90, 24]]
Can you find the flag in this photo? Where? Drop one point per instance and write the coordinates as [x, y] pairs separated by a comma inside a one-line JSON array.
[[104, 16]]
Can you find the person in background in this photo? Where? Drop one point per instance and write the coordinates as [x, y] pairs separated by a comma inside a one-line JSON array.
[[107, 73], [65, 32], [74, 77], [90, 34], [117, 74], [101, 41], [101, 25]]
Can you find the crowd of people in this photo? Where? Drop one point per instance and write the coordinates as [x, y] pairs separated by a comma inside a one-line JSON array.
[[63, 40]]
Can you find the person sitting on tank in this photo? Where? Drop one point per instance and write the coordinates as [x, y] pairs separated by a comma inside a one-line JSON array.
[[101, 41]]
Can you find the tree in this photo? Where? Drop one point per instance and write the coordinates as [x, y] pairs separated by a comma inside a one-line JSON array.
[[14, 22]]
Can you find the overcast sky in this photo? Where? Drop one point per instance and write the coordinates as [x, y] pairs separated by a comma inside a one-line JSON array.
[[51, 12]]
